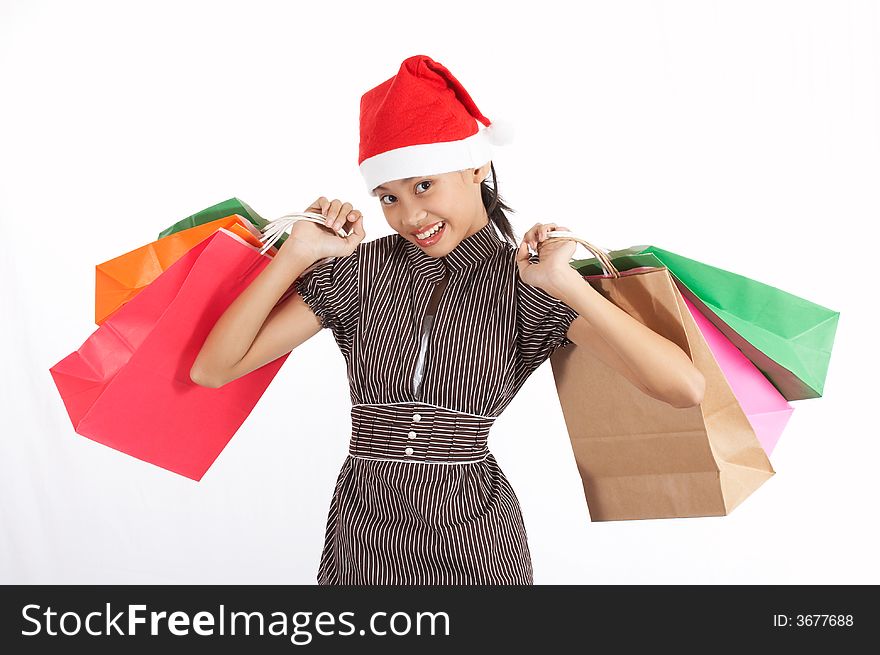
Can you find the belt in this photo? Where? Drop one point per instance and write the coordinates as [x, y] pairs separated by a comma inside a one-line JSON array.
[[418, 432]]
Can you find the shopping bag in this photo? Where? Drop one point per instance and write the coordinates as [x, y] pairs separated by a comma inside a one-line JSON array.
[[221, 209], [128, 385], [212, 213], [120, 279], [766, 408], [639, 457], [787, 337]]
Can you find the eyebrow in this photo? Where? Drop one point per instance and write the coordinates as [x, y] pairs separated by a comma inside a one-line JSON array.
[[406, 179]]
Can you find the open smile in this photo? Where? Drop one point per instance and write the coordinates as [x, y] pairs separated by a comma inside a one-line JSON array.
[[432, 235]]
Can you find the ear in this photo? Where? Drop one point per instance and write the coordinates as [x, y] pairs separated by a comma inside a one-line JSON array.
[[481, 173]]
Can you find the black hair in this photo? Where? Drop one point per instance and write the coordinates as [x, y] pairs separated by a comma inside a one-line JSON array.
[[496, 207]]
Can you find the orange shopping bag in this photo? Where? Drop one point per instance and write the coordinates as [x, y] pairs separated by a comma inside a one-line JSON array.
[[120, 279]]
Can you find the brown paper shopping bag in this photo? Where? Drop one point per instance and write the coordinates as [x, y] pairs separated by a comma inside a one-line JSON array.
[[639, 457]]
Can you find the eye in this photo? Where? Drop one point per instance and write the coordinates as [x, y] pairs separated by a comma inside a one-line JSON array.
[[382, 198], [428, 182]]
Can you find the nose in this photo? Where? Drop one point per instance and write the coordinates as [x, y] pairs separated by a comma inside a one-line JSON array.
[[415, 217]]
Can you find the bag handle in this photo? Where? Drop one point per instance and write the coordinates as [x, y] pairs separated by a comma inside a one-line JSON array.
[[273, 230], [598, 253]]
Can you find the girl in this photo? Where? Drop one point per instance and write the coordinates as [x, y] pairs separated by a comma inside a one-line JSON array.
[[440, 325]]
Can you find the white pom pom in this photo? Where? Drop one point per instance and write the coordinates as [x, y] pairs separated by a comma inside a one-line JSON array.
[[500, 133]]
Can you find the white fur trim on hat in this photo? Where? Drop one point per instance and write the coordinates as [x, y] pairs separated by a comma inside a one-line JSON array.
[[427, 159]]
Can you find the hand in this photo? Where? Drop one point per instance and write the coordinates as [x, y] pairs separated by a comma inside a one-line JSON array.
[[321, 240], [554, 255]]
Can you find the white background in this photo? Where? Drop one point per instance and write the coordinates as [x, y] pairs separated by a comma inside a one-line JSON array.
[[742, 134]]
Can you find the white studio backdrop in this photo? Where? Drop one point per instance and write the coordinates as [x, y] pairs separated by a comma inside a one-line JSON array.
[[742, 134]]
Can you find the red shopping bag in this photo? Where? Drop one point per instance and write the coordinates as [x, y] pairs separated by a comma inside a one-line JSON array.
[[128, 385]]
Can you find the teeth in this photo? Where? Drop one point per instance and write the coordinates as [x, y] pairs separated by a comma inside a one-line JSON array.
[[429, 233]]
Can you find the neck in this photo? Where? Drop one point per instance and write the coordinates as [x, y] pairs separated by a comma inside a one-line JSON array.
[[479, 225]]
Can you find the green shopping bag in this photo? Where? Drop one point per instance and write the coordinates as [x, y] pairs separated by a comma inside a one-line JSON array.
[[220, 210], [787, 337]]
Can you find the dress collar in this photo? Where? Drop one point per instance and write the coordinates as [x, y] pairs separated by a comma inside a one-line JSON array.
[[472, 250]]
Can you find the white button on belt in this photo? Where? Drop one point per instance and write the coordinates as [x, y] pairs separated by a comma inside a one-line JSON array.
[[408, 451], [411, 434], [417, 417]]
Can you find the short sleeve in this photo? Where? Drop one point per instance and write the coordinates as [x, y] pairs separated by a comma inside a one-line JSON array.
[[331, 291], [542, 324]]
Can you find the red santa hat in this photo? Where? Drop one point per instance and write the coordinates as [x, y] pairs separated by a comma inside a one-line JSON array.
[[423, 122]]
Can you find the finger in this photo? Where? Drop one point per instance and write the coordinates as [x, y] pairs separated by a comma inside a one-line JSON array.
[[541, 230], [545, 228], [357, 233], [532, 236], [353, 216], [316, 206], [330, 211], [341, 217], [346, 216], [522, 255], [346, 219], [320, 206], [333, 211]]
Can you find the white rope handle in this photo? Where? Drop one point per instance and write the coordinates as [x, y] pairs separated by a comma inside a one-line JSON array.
[[273, 231]]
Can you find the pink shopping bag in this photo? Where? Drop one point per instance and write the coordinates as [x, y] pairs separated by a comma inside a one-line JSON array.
[[767, 410], [128, 385]]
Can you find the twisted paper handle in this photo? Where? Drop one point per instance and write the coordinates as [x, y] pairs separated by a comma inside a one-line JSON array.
[[600, 254]]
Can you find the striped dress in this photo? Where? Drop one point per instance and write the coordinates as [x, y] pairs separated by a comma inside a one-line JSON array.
[[420, 499]]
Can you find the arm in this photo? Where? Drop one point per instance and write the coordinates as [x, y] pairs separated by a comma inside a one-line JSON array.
[[649, 360], [253, 331], [583, 334]]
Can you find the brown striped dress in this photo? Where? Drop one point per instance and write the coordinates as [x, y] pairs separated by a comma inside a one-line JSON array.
[[419, 498]]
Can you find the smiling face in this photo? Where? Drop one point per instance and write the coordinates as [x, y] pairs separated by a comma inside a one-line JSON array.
[[451, 201]]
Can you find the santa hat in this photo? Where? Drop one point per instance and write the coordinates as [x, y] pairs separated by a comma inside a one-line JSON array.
[[423, 122]]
